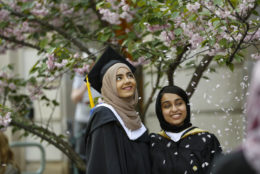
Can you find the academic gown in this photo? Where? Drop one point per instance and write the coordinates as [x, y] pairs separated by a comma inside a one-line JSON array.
[[234, 162], [110, 151], [193, 153]]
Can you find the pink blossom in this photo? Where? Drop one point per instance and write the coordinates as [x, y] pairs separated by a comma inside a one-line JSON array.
[[140, 61], [27, 28], [193, 7], [167, 37], [66, 10], [62, 64], [113, 4], [126, 8], [39, 10], [157, 27], [4, 14], [12, 86], [57, 22], [196, 39], [253, 36], [50, 79], [127, 16], [35, 91], [83, 70], [50, 62], [76, 55], [64, 7], [256, 56], [5, 121], [3, 84], [100, 100], [111, 17], [3, 74]]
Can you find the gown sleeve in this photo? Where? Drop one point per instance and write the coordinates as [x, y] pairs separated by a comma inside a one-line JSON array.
[[103, 152], [214, 150]]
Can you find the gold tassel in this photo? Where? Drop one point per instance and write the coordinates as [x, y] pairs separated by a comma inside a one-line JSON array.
[[89, 93]]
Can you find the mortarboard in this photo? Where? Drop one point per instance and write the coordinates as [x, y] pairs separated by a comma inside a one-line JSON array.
[[107, 59]]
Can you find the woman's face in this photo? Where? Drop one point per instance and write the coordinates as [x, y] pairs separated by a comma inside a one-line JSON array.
[[173, 109], [125, 83]]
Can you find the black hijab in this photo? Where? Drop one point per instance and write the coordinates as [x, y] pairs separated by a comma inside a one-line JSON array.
[[164, 124]]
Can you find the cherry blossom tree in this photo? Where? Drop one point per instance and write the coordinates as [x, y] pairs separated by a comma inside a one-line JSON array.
[[164, 34]]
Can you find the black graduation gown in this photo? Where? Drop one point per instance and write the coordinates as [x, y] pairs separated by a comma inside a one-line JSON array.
[[234, 162], [193, 153], [110, 151]]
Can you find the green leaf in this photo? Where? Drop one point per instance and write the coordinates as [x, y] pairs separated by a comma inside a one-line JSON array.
[[205, 77], [134, 1], [255, 12], [104, 38], [175, 14], [141, 3], [231, 67], [178, 31], [34, 68], [203, 43], [4, 24], [234, 3], [223, 42], [45, 98], [27, 5], [55, 103], [216, 23], [99, 5], [43, 43], [218, 2]]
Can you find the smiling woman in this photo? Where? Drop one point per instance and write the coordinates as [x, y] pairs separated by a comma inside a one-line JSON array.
[[116, 140], [125, 83], [174, 109], [180, 148]]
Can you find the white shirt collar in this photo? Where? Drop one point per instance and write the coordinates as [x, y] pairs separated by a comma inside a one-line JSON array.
[[175, 136], [132, 134]]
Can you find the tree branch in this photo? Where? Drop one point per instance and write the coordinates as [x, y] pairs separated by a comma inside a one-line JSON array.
[[93, 7], [59, 30], [19, 42], [51, 138], [150, 99], [173, 66], [198, 74], [231, 57]]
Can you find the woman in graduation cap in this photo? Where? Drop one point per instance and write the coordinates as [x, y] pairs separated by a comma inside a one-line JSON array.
[[116, 140], [180, 148]]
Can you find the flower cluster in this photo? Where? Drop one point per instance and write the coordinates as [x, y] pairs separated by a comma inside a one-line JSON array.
[[35, 91], [6, 82], [140, 61], [51, 64], [118, 11], [5, 121], [256, 56], [83, 70]]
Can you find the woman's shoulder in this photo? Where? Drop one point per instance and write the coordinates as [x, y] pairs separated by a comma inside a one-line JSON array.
[[104, 111], [200, 134], [100, 116], [203, 140], [158, 137]]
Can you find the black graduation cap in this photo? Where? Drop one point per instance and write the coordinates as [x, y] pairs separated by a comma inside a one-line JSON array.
[[107, 59]]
